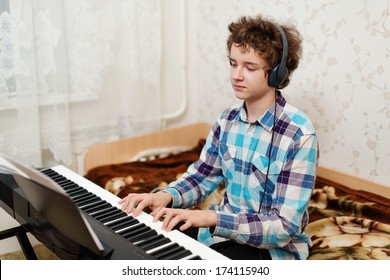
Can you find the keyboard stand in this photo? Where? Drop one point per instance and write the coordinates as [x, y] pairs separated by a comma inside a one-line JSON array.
[[24, 242]]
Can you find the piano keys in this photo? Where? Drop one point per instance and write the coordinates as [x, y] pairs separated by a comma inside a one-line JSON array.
[[123, 232]]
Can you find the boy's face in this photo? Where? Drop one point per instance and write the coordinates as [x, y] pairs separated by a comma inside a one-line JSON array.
[[247, 75]]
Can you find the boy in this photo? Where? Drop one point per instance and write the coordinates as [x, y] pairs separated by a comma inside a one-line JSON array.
[[264, 149]]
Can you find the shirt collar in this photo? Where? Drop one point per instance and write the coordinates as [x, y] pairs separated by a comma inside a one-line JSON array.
[[267, 119]]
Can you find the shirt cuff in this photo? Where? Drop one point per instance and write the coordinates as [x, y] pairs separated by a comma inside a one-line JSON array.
[[227, 223], [176, 198]]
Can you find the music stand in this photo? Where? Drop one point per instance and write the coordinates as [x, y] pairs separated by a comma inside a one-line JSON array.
[[58, 210]]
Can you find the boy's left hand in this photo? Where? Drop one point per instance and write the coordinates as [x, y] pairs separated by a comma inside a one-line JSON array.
[[189, 218]]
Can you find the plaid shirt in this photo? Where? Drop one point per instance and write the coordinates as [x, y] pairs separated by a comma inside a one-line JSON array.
[[236, 151]]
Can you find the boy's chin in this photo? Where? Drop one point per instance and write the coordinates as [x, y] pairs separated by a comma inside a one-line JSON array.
[[240, 95]]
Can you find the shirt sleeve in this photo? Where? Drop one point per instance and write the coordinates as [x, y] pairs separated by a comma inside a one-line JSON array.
[[202, 177], [287, 216]]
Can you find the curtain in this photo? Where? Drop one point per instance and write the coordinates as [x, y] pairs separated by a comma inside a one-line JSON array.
[[74, 73]]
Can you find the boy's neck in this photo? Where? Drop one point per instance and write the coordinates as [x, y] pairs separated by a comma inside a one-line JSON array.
[[256, 108]]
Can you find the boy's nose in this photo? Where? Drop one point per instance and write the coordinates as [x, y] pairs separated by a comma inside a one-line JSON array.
[[237, 73]]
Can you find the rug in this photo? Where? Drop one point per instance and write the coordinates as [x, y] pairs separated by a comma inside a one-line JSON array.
[[41, 251]]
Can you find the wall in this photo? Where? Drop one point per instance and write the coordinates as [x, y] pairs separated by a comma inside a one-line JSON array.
[[342, 81]]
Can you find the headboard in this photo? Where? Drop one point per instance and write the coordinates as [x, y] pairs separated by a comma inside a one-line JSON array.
[[125, 149]]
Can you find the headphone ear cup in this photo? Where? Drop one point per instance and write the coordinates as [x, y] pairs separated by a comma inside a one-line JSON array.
[[277, 76], [272, 77]]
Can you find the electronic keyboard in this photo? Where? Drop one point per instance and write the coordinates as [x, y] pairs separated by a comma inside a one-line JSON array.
[[125, 236]]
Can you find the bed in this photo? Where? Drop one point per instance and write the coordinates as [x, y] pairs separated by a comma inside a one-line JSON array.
[[349, 216]]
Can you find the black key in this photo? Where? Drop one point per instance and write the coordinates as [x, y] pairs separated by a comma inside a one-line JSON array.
[[89, 200], [98, 208], [48, 171], [56, 176], [142, 235], [74, 192], [80, 196], [114, 216], [113, 222], [128, 228], [178, 255], [92, 208], [155, 243], [72, 189], [104, 212], [70, 185], [122, 224], [67, 185], [51, 172], [133, 231], [195, 258], [91, 205], [149, 239], [61, 180], [167, 251]]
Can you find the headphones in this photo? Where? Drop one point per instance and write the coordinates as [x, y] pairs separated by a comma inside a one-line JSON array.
[[277, 75], [275, 78]]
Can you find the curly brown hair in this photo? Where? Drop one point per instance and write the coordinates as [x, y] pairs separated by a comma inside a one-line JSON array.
[[263, 36]]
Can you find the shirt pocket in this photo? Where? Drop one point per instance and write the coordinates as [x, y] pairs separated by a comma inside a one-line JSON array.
[[228, 154], [260, 169]]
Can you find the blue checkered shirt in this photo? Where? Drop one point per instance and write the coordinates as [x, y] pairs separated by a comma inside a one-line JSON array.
[[236, 151]]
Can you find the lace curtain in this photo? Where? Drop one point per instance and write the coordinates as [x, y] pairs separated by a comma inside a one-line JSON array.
[[74, 73]]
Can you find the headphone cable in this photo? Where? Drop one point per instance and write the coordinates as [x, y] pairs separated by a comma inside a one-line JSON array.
[[269, 157]]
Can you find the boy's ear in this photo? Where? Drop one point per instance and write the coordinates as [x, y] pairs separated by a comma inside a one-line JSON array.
[[266, 75]]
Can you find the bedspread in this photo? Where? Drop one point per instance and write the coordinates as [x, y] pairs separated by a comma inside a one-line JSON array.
[[343, 223]]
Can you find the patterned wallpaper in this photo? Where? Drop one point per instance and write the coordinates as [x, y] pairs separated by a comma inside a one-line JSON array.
[[342, 82]]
